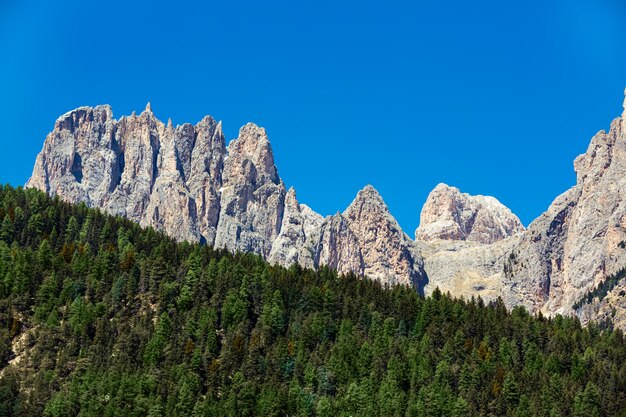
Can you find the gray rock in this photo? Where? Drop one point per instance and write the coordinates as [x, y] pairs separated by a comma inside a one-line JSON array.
[[387, 252], [136, 167], [290, 246], [185, 181], [252, 195], [451, 215], [581, 238], [338, 247], [465, 268]]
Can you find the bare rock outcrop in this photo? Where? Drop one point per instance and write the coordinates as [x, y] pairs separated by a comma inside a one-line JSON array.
[[386, 250], [204, 178], [465, 268], [79, 157], [185, 181], [338, 247], [290, 246], [581, 238], [136, 167], [451, 215], [252, 195], [464, 241], [610, 307]]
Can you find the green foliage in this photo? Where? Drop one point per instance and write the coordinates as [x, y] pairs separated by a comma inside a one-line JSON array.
[[602, 289], [111, 319]]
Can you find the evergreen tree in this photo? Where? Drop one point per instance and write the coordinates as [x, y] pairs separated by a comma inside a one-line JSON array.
[[6, 229], [108, 318]]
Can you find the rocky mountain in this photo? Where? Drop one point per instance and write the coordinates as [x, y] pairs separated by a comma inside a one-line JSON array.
[[385, 249], [186, 181], [451, 215], [137, 167], [465, 268], [581, 238], [566, 252], [464, 240]]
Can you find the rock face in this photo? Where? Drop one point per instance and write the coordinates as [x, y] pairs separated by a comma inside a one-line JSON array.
[[338, 247], [611, 307], [185, 181], [290, 246], [386, 250], [451, 215], [366, 239], [466, 269], [581, 238], [465, 241], [136, 167], [252, 195]]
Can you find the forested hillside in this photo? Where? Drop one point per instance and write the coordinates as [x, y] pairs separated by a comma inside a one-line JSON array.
[[99, 317]]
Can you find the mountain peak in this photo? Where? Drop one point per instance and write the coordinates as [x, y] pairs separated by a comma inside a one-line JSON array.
[[82, 115], [368, 199], [450, 214], [444, 186], [253, 145], [386, 251], [253, 131], [370, 193]]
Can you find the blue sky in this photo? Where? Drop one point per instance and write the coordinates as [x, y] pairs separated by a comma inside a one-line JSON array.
[[493, 97]]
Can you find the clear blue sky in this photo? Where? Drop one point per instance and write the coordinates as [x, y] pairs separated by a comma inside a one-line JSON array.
[[493, 97]]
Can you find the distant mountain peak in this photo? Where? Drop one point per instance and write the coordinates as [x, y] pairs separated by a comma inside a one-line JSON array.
[[450, 214]]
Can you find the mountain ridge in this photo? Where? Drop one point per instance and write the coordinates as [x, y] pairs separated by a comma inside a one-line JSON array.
[[186, 181]]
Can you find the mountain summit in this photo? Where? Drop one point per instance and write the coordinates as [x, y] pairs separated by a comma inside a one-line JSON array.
[[452, 215], [185, 181]]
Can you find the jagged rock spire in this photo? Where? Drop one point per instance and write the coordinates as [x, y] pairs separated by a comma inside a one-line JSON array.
[[387, 252]]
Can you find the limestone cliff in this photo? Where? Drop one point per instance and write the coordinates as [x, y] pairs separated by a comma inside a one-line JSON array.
[[185, 181], [451, 215], [581, 238]]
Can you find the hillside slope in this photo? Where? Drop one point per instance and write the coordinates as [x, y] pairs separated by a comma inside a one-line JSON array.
[[100, 317]]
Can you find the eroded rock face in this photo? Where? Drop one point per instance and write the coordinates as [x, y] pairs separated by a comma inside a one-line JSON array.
[[185, 181], [290, 246], [137, 167], [451, 215], [252, 195], [464, 268], [79, 157], [581, 238], [611, 307], [465, 241], [205, 174], [338, 247], [385, 249]]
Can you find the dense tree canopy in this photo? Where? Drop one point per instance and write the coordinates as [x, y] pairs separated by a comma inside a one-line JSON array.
[[99, 317]]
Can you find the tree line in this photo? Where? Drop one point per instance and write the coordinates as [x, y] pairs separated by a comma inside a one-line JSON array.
[[100, 317]]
